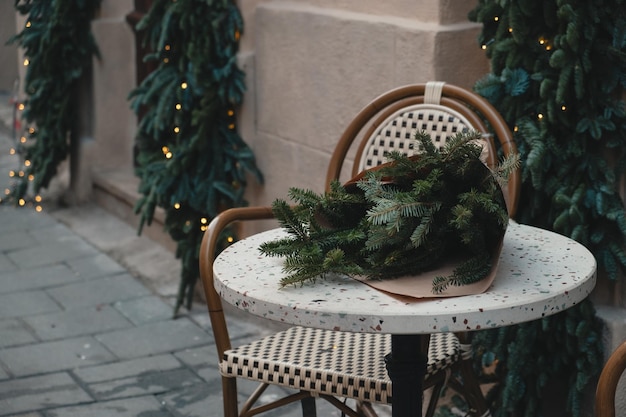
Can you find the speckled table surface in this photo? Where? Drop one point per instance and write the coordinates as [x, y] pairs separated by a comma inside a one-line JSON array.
[[540, 273]]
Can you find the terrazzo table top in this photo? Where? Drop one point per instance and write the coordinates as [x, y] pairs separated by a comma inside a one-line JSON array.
[[540, 273]]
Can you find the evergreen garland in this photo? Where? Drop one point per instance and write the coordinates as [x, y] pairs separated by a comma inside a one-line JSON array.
[[558, 69], [401, 218], [58, 46], [191, 161]]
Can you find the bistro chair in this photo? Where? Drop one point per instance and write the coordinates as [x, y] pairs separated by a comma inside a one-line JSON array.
[[307, 359], [607, 384]]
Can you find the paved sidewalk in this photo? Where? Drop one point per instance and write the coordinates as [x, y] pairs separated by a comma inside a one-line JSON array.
[[86, 326]]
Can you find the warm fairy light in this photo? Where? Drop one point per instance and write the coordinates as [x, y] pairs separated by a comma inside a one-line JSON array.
[[542, 41], [510, 30], [496, 18], [26, 62], [11, 173], [21, 173], [203, 228], [7, 191], [31, 130], [38, 198], [177, 206], [12, 151], [183, 86], [203, 220], [38, 209], [23, 139], [28, 24], [563, 107], [231, 126], [548, 47], [31, 177], [237, 35], [515, 128], [27, 163], [540, 116], [179, 106], [187, 223], [230, 239], [484, 46], [169, 155], [231, 112], [166, 60], [176, 129], [20, 106], [21, 202], [167, 47]]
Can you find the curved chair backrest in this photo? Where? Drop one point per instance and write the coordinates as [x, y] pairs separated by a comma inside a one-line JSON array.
[[607, 384], [442, 110]]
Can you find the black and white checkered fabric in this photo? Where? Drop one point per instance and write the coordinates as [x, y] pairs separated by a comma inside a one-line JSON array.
[[341, 364]]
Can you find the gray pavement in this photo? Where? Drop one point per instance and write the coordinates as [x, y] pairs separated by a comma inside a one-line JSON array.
[[86, 326]]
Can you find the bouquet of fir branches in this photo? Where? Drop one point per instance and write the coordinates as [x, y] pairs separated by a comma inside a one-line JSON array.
[[401, 218]]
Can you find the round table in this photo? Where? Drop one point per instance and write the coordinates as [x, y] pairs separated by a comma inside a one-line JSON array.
[[540, 273]]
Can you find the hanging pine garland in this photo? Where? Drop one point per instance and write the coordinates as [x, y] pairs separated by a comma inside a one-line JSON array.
[[558, 68], [191, 161], [58, 48]]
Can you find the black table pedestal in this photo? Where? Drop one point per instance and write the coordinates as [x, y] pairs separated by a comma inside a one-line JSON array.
[[406, 366]]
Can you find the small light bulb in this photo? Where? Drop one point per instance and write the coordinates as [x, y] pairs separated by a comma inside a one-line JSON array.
[[27, 163], [231, 112], [38, 209], [26, 62], [21, 173], [203, 228], [165, 149], [38, 198], [230, 239], [510, 30], [515, 128], [237, 35], [496, 18], [7, 191], [21, 202], [176, 129], [203, 220], [31, 177], [11, 174], [166, 60], [23, 139], [167, 47], [28, 24], [540, 116], [31, 130], [169, 155], [20, 106], [177, 206], [483, 46], [12, 151], [183, 86], [563, 107], [179, 106], [231, 126]]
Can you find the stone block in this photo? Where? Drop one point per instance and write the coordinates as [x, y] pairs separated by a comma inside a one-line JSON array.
[[78, 322], [54, 356], [15, 240], [126, 369], [154, 338], [96, 266], [26, 303], [6, 265], [128, 407], [65, 248], [36, 278], [97, 292], [145, 310], [14, 332], [27, 394]]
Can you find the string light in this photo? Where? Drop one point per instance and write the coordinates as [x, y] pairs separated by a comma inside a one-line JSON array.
[[27, 163], [21, 202], [563, 107], [177, 206], [540, 116], [510, 30], [26, 62], [31, 177], [496, 18], [31, 130], [38, 209], [166, 60], [11, 173], [23, 139], [203, 228], [184, 86], [203, 220], [12, 151], [231, 112], [483, 46], [28, 24], [20, 106], [167, 47], [231, 126], [237, 35], [38, 198], [230, 239], [179, 106], [176, 129]]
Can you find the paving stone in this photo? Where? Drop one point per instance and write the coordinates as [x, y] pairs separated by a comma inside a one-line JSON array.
[[96, 266], [54, 356], [154, 338], [145, 383], [3, 374], [36, 278], [147, 406], [125, 369], [78, 322], [14, 332], [6, 264], [35, 393], [64, 248], [199, 357], [145, 309], [15, 240], [14, 219], [101, 291], [26, 303]]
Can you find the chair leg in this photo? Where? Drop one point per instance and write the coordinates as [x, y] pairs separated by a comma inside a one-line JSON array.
[[229, 393], [308, 407]]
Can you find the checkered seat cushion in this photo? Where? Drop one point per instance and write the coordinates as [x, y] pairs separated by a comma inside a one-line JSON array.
[[340, 364]]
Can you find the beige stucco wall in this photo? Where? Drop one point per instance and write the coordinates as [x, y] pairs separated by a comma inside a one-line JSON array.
[[8, 53], [314, 64]]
